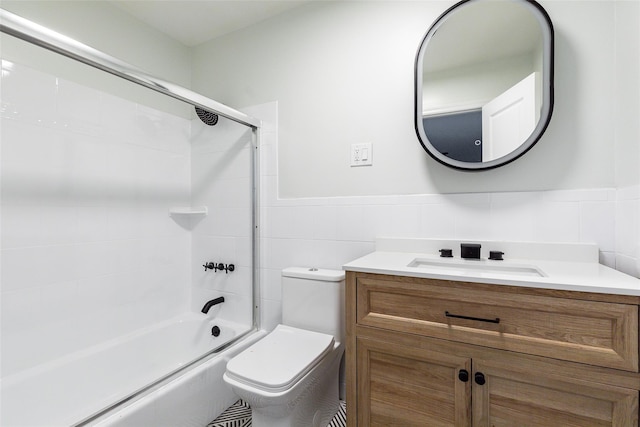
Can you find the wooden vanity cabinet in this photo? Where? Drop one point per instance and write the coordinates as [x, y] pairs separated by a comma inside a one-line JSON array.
[[408, 364]]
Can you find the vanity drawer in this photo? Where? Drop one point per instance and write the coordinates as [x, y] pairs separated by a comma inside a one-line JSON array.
[[593, 332]]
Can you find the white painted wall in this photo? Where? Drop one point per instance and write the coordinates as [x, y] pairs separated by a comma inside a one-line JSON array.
[[627, 93], [342, 73]]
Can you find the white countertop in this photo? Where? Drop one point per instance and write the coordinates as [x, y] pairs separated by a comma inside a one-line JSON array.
[[583, 274]]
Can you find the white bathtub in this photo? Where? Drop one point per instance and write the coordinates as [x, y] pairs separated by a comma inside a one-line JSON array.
[[78, 388]]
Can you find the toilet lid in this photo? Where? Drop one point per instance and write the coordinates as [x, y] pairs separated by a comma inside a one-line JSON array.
[[280, 359]]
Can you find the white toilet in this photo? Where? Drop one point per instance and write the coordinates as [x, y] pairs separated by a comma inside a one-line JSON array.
[[290, 377]]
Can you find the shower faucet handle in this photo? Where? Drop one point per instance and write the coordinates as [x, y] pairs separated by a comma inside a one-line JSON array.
[[218, 266]]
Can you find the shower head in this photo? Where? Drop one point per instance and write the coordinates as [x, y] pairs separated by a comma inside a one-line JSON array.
[[207, 117]]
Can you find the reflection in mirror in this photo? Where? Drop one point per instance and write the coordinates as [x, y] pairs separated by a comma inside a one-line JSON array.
[[484, 82]]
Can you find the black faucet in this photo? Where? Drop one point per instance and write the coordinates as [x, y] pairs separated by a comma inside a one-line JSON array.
[[470, 250], [211, 303], [219, 266]]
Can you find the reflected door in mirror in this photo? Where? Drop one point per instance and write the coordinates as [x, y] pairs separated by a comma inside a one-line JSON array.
[[456, 135]]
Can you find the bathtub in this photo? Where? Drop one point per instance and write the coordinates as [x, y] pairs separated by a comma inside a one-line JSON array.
[[175, 366]]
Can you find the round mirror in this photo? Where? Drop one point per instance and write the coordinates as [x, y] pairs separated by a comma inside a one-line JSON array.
[[484, 83]]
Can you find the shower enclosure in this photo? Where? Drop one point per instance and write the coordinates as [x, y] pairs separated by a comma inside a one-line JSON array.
[[111, 209]]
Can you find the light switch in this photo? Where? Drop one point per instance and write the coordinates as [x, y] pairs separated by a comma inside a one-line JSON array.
[[361, 154]]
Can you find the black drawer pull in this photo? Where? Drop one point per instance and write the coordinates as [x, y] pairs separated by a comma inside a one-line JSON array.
[[480, 319]]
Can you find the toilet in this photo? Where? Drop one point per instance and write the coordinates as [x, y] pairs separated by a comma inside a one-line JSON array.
[[290, 377]]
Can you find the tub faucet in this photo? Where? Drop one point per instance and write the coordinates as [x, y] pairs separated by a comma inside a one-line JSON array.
[[211, 303]]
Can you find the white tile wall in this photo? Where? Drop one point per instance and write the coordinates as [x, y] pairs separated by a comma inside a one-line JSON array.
[[328, 232], [88, 249]]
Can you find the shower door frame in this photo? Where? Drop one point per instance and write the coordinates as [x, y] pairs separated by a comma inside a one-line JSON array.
[[46, 38]]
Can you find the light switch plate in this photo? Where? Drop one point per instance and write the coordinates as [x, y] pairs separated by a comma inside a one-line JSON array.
[[361, 154]]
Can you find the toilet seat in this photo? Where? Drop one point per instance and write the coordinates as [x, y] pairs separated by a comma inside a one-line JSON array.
[[280, 359]]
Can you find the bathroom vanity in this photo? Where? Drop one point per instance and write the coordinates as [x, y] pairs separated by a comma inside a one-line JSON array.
[[547, 337]]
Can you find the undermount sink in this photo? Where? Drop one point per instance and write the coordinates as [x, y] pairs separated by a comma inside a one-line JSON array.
[[466, 267]]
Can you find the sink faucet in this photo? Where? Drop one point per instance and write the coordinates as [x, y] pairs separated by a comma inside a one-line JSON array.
[[470, 250], [211, 303]]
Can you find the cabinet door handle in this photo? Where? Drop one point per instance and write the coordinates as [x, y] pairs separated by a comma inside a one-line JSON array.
[[463, 375], [479, 319], [479, 377]]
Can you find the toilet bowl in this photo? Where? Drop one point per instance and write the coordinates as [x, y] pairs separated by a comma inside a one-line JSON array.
[[290, 377]]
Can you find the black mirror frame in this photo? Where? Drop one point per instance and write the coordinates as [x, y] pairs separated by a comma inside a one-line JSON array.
[[548, 98]]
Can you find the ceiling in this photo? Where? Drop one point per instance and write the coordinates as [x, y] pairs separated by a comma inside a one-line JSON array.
[[192, 22]]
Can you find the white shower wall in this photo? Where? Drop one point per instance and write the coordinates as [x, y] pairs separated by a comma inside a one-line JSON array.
[[88, 250]]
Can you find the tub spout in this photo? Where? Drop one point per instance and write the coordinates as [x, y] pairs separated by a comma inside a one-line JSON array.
[[211, 303]]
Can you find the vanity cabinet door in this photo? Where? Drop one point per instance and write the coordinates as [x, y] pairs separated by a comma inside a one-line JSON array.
[[404, 386], [505, 395]]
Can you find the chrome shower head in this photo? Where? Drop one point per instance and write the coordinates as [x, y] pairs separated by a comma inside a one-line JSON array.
[[207, 117]]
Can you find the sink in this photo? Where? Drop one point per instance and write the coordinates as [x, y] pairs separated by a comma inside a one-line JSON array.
[[480, 267]]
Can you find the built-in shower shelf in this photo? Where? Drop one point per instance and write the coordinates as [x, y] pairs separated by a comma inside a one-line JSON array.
[[187, 210]]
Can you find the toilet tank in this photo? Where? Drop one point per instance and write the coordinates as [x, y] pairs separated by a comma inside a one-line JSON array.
[[313, 299]]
